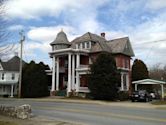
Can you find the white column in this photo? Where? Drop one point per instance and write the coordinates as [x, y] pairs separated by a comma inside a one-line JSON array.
[[73, 72], [53, 74], [11, 91], [69, 73], [57, 74], [77, 75], [162, 91], [122, 85], [127, 81], [136, 85]]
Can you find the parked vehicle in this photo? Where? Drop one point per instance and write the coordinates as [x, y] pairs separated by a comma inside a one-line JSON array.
[[141, 95]]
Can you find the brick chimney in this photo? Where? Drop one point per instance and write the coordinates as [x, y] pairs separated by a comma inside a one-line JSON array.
[[103, 35]]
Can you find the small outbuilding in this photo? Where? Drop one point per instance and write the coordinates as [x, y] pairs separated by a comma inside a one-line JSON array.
[[150, 82]]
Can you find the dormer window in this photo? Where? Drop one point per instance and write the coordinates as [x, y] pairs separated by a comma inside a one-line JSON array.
[[76, 46], [84, 45], [88, 45]]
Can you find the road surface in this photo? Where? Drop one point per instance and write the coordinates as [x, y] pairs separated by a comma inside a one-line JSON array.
[[93, 114]]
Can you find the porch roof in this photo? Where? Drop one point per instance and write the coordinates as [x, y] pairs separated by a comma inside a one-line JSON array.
[[148, 81]]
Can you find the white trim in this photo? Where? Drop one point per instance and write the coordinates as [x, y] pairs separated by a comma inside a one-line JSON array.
[[69, 74], [57, 74], [53, 74], [69, 50], [148, 81], [11, 91], [162, 91], [73, 72], [84, 89], [77, 74]]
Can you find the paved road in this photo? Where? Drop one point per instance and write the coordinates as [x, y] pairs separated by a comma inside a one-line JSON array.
[[94, 114]]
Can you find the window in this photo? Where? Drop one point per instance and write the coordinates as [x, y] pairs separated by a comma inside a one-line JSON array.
[[76, 46], [83, 45], [3, 88], [2, 76], [87, 45], [125, 82], [126, 63], [13, 76], [83, 81]]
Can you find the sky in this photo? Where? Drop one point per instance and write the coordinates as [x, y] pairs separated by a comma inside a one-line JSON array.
[[143, 21]]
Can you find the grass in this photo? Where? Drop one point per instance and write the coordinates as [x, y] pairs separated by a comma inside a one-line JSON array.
[[7, 123], [160, 102]]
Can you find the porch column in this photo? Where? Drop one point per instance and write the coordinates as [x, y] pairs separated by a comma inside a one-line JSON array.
[[77, 75], [73, 72], [136, 87], [162, 91], [11, 91], [122, 85], [53, 75], [57, 73], [69, 74]]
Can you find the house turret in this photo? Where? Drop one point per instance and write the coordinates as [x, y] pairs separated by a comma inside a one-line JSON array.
[[61, 42]]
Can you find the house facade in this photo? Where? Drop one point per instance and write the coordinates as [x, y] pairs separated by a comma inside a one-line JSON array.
[[9, 75], [71, 60]]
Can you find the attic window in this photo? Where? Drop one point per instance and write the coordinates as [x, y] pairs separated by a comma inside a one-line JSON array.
[[84, 45], [126, 47]]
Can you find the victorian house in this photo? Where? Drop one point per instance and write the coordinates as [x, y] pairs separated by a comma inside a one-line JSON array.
[[71, 60]]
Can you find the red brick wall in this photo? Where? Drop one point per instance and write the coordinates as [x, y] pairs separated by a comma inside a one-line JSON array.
[[61, 62], [122, 61], [84, 60], [83, 81]]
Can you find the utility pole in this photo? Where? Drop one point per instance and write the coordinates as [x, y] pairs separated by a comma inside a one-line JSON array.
[[20, 73]]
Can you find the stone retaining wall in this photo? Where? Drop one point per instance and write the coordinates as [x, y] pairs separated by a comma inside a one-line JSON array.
[[22, 112]]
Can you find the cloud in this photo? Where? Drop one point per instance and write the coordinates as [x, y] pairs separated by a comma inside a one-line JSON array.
[[149, 40], [16, 27], [143, 21], [156, 4], [48, 34], [35, 9]]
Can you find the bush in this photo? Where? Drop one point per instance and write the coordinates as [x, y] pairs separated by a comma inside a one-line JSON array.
[[123, 95], [34, 81], [104, 78]]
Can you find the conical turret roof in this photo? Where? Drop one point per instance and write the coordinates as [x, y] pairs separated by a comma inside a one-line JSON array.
[[61, 38]]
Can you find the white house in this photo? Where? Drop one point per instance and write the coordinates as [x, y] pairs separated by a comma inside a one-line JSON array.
[[9, 74]]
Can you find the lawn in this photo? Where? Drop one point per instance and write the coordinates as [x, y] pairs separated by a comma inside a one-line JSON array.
[[7, 123], [159, 102]]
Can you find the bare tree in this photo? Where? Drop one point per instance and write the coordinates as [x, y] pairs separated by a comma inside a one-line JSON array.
[[158, 72], [3, 22], [6, 49]]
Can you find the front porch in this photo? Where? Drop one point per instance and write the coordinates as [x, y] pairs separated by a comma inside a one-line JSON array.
[[69, 68]]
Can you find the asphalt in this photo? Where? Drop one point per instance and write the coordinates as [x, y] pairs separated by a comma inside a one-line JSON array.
[[94, 112], [88, 101]]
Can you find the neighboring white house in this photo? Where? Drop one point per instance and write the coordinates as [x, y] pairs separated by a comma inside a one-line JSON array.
[[9, 74]]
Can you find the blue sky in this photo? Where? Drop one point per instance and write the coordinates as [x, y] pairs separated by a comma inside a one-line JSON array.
[[142, 21]]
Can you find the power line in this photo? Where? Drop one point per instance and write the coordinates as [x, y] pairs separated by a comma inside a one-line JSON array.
[[151, 41]]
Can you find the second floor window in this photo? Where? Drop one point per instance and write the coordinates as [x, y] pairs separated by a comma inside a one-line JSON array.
[[3, 76], [13, 76]]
